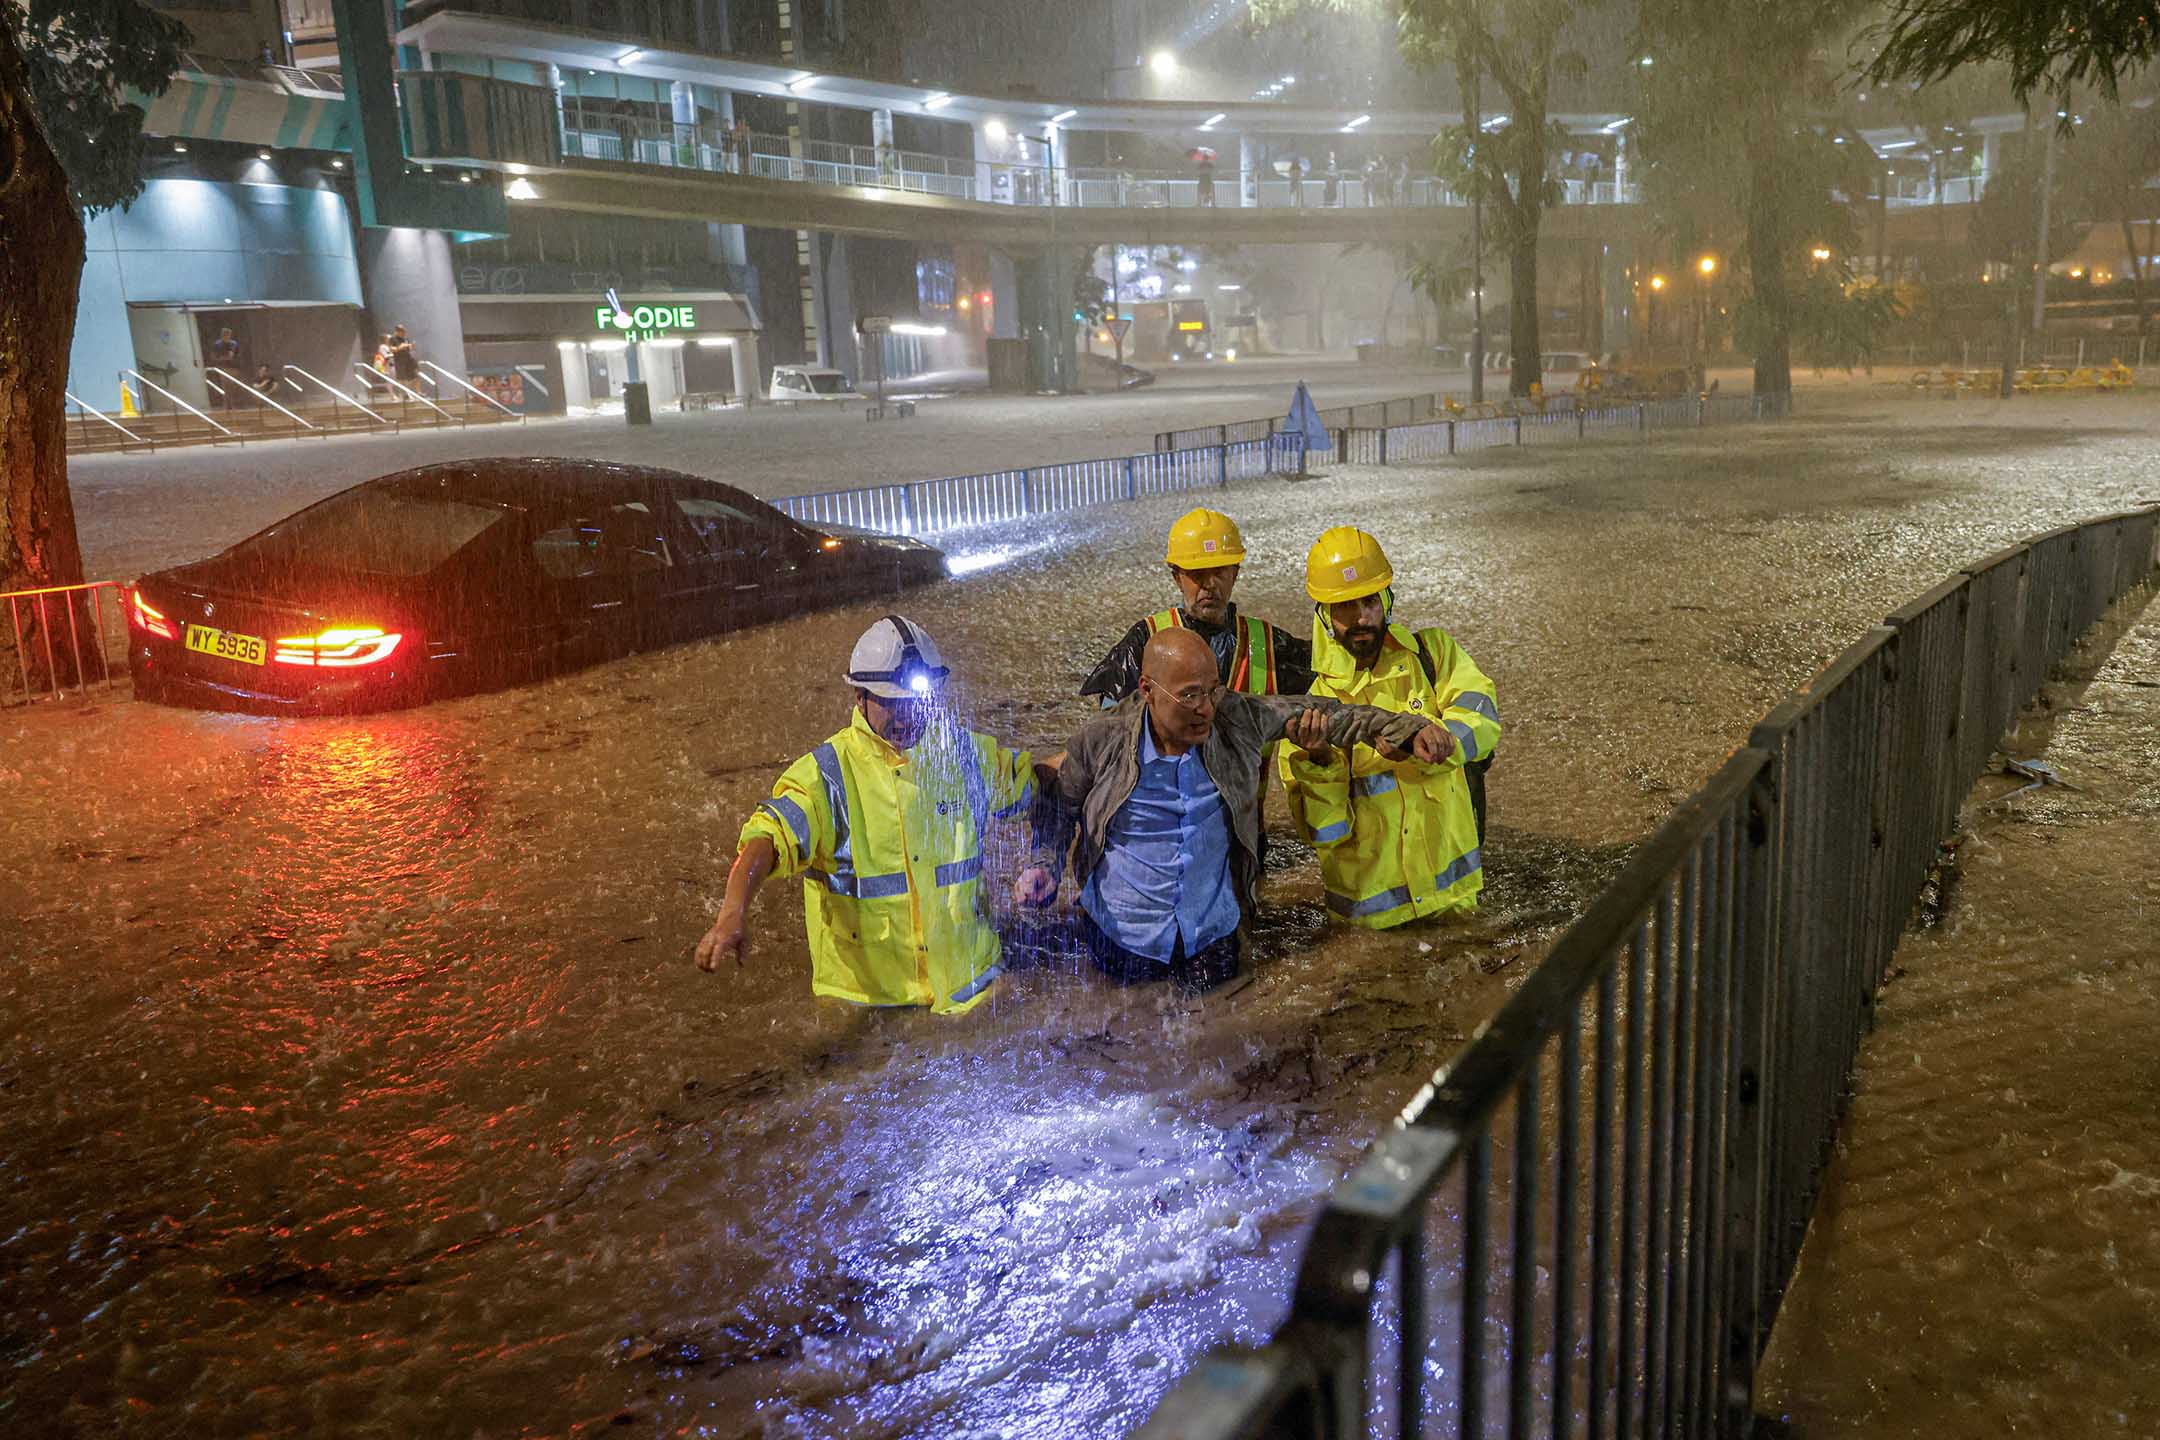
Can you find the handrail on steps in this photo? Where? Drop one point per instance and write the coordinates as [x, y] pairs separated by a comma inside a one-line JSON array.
[[431, 365], [337, 395], [406, 390], [221, 429], [215, 370], [89, 409]]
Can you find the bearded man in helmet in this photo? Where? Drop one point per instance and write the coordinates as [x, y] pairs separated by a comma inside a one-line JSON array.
[[1398, 840], [885, 822], [1252, 657]]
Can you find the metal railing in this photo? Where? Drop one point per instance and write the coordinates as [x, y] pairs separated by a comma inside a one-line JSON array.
[[84, 411], [1603, 1195], [370, 376], [300, 422], [928, 507], [178, 406], [597, 132], [338, 399], [94, 634], [466, 385]]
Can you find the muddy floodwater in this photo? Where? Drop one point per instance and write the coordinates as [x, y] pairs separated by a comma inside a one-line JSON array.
[[358, 1079]]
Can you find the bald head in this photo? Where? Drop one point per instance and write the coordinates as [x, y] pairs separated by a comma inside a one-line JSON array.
[[1178, 663], [1176, 658]]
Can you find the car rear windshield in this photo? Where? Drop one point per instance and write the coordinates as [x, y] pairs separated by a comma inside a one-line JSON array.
[[372, 532]]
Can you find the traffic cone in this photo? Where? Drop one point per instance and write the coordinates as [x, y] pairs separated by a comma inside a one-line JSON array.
[[127, 404]]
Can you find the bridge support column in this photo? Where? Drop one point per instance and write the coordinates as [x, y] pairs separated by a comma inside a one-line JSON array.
[[1045, 283], [1248, 186]]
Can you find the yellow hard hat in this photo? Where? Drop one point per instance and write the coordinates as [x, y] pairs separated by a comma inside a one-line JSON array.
[[1346, 564], [1205, 540]]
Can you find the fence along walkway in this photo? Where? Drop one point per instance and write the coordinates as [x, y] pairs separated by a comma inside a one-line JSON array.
[[929, 507], [1616, 1174]]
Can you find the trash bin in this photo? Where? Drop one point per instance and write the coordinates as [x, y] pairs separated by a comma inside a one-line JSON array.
[[637, 403]]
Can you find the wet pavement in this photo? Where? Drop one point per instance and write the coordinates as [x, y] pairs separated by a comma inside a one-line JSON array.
[[1985, 1256], [361, 1079]]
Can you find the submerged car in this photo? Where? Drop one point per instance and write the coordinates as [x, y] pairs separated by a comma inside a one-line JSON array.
[[483, 573], [810, 384]]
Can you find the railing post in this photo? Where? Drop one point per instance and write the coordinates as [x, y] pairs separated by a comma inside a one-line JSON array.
[[1383, 445], [1132, 480], [1518, 429], [1642, 419], [907, 509], [1748, 999], [1027, 492], [1222, 462], [1581, 424], [1699, 408], [1451, 437]]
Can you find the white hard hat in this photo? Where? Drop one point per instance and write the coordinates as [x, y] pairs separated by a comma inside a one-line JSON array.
[[897, 660]]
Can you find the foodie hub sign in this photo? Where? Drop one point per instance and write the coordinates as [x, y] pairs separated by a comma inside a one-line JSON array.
[[645, 322]]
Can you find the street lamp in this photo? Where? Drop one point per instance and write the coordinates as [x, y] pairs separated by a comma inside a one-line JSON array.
[[1707, 265], [1163, 65]]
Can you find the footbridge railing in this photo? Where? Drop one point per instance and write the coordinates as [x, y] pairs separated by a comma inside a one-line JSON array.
[[1585, 1222], [930, 507]]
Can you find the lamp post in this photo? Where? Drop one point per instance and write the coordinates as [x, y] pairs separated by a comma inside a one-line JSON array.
[[1477, 247], [1706, 267]]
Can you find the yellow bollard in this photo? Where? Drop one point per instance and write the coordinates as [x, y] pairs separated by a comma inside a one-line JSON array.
[[127, 404]]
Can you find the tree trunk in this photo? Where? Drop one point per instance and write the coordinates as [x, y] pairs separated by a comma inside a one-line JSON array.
[[41, 260], [1526, 368], [1767, 246]]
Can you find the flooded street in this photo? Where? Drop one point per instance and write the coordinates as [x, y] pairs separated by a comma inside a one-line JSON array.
[[1983, 1259], [359, 1078]]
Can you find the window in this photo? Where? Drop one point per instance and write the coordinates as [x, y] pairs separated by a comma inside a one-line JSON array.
[[621, 540], [724, 529], [371, 531]]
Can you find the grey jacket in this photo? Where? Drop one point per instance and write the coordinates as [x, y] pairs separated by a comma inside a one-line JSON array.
[[1102, 769]]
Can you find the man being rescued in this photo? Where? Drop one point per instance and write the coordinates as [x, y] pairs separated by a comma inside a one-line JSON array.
[[1252, 657], [885, 822], [1398, 840]]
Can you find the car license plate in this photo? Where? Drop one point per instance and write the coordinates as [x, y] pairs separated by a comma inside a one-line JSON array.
[[248, 649]]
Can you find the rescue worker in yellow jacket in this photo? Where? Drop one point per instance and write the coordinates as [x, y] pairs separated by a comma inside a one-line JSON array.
[[886, 823], [1205, 553], [1398, 840]]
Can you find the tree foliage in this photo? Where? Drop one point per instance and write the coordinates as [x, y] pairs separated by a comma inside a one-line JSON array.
[[2048, 44], [1509, 51], [82, 57], [1735, 96]]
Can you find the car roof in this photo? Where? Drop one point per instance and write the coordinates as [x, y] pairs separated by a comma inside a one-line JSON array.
[[532, 481]]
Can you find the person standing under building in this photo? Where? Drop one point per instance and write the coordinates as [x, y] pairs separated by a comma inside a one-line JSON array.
[[1204, 173], [1204, 553], [1331, 194], [225, 356], [1164, 796], [886, 823], [404, 358], [1298, 168], [1397, 841]]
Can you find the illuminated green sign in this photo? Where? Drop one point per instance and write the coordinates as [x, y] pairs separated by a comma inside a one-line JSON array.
[[645, 322]]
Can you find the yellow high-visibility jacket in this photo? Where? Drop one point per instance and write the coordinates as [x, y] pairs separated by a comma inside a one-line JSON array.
[[1396, 841], [890, 847]]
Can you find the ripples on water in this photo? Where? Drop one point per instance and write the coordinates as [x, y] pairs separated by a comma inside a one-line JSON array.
[[361, 1080]]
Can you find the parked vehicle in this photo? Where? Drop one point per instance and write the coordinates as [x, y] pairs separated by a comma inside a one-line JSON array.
[[813, 384], [483, 573]]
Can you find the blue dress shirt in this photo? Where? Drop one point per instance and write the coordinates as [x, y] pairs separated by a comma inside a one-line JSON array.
[[1165, 871]]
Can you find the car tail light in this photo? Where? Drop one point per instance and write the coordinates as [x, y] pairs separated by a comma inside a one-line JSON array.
[[148, 617], [342, 648]]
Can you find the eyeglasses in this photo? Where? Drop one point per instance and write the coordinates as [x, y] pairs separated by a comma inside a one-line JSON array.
[[1198, 701]]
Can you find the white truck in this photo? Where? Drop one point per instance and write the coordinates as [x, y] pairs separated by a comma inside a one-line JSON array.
[[797, 385]]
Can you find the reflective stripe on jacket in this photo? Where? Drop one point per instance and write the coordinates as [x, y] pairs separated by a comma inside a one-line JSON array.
[[1252, 669], [1397, 841], [889, 845]]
